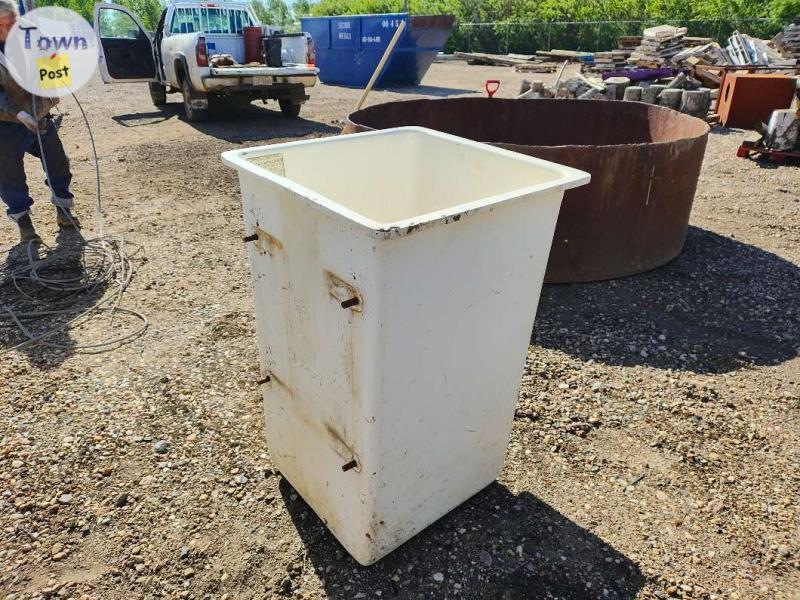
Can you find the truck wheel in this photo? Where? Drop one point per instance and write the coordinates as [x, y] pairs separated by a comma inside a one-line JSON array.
[[289, 108], [193, 114], [158, 94]]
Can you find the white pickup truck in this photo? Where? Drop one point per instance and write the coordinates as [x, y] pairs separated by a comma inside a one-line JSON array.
[[178, 56]]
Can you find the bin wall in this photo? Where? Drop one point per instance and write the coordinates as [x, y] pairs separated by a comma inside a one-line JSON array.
[[457, 305], [318, 356], [418, 383]]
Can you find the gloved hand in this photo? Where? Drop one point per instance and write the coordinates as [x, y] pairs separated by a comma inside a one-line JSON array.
[[27, 120]]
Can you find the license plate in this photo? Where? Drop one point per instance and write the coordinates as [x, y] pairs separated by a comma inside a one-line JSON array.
[[262, 80]]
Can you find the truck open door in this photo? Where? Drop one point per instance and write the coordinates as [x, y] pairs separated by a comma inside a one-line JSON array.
[[126, 48]]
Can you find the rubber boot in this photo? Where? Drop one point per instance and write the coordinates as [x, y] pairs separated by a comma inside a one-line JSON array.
[[27, 232], [66, 220]]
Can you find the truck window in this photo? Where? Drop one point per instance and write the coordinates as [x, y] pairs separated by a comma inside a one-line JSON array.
[[215, 21], [239, 19], [209, 20], [116, 24], [186, 20]]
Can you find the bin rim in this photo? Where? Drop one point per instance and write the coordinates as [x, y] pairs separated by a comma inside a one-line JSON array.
[[568, 178], [388, 14]]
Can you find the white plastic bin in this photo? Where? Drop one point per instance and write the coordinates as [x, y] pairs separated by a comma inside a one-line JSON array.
[[396, 276]]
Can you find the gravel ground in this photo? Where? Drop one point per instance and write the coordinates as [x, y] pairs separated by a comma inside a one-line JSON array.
[[655, 451]]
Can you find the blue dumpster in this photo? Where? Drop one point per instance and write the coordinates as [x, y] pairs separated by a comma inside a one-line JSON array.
[[350, 47]]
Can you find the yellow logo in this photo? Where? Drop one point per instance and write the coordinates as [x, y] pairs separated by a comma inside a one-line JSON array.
[[55, 72]]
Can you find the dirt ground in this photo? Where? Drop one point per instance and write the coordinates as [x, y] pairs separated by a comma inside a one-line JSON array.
[[655, 452]]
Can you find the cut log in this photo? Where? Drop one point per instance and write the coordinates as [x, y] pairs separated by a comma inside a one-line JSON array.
[[650, 93], [633, 93], [696, 102], [670, 98], [615, 87]]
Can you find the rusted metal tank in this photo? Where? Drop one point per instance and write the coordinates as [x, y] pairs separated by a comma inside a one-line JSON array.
[[644, 160]]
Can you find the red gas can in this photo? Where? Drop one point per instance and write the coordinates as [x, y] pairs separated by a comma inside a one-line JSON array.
[[252, 44]]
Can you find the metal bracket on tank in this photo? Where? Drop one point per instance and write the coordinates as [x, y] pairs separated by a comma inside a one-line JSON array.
[[265, 243], [347, 295], [353, 464]]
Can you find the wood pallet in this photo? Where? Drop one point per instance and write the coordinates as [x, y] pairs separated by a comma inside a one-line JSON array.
[[497, 60], [536, 67], [756, 149]]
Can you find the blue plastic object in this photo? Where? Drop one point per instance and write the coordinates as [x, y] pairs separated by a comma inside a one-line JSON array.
[[350, 47]]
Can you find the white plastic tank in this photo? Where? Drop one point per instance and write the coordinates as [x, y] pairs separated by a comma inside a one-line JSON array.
[[396, 276]]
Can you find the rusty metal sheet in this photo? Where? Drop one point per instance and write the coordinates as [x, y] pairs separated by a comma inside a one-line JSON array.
[[747, 99], [644, 160]]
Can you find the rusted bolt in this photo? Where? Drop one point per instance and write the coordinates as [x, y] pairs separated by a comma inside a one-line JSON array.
[[266, 379], [349, 303], [250, 238], [351, 465]]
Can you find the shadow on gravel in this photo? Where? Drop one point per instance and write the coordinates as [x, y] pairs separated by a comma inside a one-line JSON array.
[[764, 162], [144, 119], [512, 547], [719, 130], [234, 123], [719, 306], [48, 307]]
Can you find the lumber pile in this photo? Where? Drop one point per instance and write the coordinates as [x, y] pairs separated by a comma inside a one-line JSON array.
[[659, 44], [522, 63], [536, 67], [787, 42], [613, 60], [628, 42], [707, 54], [709, 75], [617, 59], [497, 60], [661, 47], [561, 55], [689, 42]]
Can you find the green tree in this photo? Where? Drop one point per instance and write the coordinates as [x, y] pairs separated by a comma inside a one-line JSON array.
[[149, 11], [784, 9], [474, 11], [272, 12], [302, 8]]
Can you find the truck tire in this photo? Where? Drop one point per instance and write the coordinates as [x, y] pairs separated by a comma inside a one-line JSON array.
[[158, 94], [193, 114], [289, 108]]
